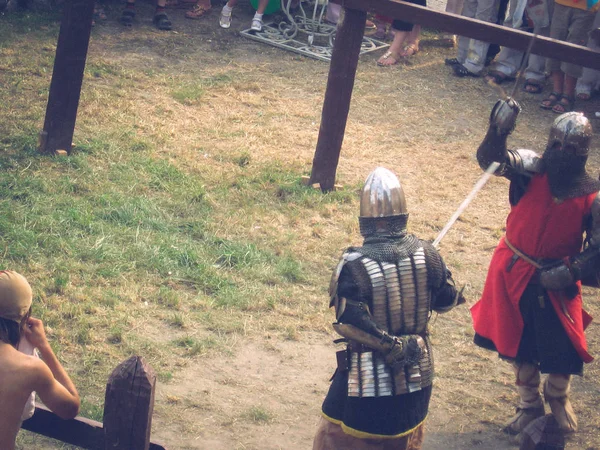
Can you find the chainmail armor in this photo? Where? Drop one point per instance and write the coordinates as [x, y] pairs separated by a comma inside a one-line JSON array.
[[388, 250], [436, 270], [396, 225]]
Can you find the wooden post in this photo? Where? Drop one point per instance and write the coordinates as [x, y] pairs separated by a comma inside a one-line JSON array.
[[67, 76], [128, 406], [342, 70]]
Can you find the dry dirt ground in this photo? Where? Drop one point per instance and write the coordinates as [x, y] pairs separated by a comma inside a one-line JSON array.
[[414, 118]]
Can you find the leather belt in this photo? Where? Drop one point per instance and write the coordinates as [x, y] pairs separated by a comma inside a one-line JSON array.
[[521, 255]]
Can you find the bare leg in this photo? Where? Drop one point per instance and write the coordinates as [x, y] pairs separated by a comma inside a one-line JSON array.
[[567, 83], [558, 80], [257, 23], [225, 17], [392, 56], [412, 42]]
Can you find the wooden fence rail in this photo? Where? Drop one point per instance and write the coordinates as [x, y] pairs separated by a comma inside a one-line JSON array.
[[128, 407]]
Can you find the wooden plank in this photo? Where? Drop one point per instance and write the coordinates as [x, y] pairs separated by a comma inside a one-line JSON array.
[[67, 76], [342, 71], [128, 406], [477, 29], [79, 431]]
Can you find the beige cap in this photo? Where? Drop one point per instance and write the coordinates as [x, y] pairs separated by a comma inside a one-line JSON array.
[[15, 296]]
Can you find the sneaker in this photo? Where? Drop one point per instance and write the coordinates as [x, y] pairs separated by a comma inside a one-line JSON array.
[[225, 19], [257, 24]]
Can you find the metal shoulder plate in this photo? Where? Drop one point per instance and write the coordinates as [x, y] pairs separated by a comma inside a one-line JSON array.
[[524, 162], [593, 233], [335, 277]]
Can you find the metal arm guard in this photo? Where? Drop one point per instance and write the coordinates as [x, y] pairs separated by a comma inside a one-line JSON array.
[[399, 351], [585, 266]]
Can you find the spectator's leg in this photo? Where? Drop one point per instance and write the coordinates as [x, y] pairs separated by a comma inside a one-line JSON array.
[[257, 23], [225, 17], [558, 78], [589, 78], [412, 42], [454, 7], [392, 56], [161, 20], [508, 61], [469, 10], [487, 11], [493, 48], [128, 13]]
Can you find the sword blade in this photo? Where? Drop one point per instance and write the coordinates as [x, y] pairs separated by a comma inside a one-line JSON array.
[[480, 183]]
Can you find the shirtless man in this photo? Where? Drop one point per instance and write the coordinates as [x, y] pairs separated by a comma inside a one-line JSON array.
[[20, 374]]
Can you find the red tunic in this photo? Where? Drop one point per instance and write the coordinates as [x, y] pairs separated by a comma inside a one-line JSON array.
[[540, 228]]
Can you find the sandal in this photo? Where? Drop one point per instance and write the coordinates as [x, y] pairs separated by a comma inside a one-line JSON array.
[[409, 50], [389, 58], [197, 11], [497, 77], [551, 100], [461, 71], [127, 17], [225, 19], [162, 22], [564, 105], [533, 86]]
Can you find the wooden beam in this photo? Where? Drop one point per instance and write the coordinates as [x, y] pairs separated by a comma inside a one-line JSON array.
[[79, 431], [342, 71], [67, 76], [477, 29]]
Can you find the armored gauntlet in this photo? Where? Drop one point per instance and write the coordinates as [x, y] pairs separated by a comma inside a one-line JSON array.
[[504, 116]]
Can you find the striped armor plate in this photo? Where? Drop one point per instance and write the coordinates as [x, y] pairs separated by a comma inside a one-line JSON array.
[[400, 305]]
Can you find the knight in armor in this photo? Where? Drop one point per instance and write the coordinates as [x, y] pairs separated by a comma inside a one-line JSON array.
[[531, 309], [383, 294]]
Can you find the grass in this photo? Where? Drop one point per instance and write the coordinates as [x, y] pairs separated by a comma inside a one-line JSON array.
[[179, 228], [125, 246]]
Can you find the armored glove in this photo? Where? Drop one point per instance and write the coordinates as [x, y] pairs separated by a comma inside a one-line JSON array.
[[403, 351], [504, 115], [557, 277]]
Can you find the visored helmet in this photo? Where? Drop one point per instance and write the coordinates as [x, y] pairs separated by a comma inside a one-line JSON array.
[[382, 197], [573, 132]]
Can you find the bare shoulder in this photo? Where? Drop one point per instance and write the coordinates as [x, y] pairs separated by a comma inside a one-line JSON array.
[[18, 370]]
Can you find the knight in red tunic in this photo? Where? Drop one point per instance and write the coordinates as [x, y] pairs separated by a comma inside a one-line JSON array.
[[531, 309]]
